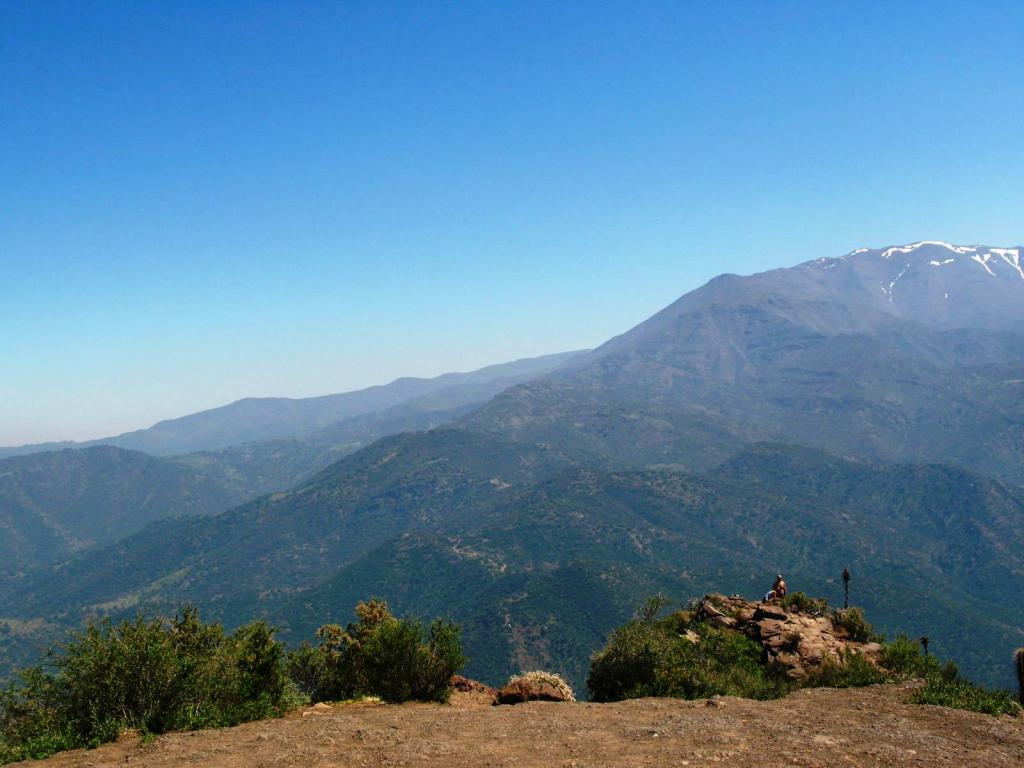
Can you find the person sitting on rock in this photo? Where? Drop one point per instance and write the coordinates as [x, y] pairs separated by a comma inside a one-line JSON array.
[[778, 590], [780, 587]]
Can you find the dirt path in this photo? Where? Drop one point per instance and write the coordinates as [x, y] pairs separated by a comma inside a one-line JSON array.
[[862, 727]]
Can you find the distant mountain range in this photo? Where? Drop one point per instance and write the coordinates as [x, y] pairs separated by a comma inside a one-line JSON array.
[[54, 503], [863, 412], [273, 418]]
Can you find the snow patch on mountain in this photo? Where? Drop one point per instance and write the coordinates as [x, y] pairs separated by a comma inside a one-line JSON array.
[[893, 283], [983, 260], [988, 258], [1011, 256], [963, 249]]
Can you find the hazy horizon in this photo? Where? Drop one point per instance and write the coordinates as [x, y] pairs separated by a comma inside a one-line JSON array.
[[201, 205], [87, 438]]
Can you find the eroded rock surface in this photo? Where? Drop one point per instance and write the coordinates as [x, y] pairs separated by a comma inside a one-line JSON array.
[[519, 691], [800, 643]]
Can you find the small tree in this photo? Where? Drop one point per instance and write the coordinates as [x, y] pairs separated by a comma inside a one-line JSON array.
[[149, 674], [379, 655]]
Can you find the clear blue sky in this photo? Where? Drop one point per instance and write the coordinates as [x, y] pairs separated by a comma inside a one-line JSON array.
[[210, 200]]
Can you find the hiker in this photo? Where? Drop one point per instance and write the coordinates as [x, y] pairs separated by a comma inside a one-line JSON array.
[[780, 587], [778, 590]]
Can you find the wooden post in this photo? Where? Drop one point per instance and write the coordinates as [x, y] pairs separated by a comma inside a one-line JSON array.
[[1018, 657]]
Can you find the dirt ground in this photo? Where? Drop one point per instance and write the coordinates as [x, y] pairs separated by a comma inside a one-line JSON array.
[[861, 727]]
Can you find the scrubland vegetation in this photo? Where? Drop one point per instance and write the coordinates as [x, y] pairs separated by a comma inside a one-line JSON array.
[[394, 659], [157, 675], [680, 655], [154, 675]]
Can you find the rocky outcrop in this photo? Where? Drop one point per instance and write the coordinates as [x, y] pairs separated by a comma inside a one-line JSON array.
[[466, 685], [534, 686], [799, 642]]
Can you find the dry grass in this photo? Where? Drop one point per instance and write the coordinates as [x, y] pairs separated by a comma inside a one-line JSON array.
[[538, 676]]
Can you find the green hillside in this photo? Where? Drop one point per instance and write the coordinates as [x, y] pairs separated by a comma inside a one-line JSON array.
[[540, 557], [57, 503]]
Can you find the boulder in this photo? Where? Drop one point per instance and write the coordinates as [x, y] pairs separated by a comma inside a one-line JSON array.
[[798, 642], [528, 690], [466, 685], [320, 708], [534, 686], [716, 617], [769, 611]]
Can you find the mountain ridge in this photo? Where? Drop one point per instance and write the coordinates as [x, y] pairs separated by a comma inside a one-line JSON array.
[[56, 503], [648, 464], [802, 355], [254, 419]]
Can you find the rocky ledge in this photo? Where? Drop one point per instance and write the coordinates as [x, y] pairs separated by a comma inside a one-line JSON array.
[[799, 642]]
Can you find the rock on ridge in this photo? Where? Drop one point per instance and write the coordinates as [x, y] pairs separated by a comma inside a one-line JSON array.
[[799, 642]]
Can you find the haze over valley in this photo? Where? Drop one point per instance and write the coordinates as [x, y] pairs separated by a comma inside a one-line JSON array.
[[861, 411]]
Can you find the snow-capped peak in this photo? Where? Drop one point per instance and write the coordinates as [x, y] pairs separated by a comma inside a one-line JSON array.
[[890, 252], [988, 258]]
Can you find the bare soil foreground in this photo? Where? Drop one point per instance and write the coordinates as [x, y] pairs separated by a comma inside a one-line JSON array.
[[818, 727]]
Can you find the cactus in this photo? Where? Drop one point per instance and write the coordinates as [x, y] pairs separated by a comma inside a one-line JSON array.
[[1018, 659]]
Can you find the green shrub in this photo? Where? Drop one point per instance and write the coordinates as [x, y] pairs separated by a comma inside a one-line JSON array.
[[127, 673], [683, 657], [857, 628], [656, 658], [812, 606], [631, 664], [379, 655], [903, 660], [308, 668], [403, 665], [146, 674], [854, 671], [29, 724], [960, 694]]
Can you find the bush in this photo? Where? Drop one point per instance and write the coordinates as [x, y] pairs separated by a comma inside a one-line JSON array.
[[146, 674], [379, 655], [403, 665], [656, 658], [903, 660], [683, 657], [854, 671], [960, 694], [857, 628], [812, 606], [29, 728]]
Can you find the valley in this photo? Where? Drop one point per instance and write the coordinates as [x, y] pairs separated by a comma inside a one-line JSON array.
[[789, 421]]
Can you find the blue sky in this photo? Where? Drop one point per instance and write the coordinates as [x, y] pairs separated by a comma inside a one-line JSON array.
[[211, 200]]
